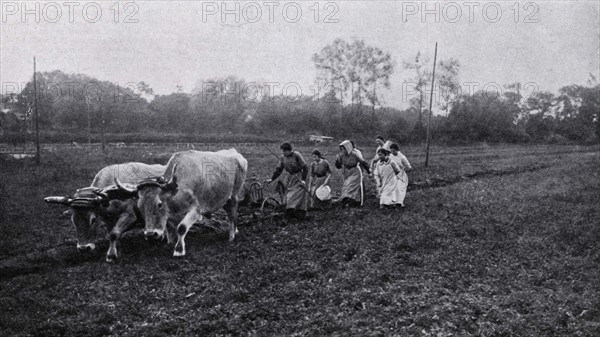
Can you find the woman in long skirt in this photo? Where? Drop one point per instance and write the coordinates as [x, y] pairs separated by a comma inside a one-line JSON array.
[[350, 163], [319, 171], [380, 142], [387, 180], [404, 165], [295, 181]]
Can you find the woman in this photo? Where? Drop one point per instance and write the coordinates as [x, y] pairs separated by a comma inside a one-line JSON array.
[[320, 171], [380, 141], [385, 173], [350, 162], [400, 159], [295, 181]]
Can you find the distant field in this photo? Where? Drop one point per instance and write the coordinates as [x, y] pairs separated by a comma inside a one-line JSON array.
[[494, 241]]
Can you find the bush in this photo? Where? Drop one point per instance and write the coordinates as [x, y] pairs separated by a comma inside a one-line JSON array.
[[592, 139], [3, 205], [518, 136], [556, 139]]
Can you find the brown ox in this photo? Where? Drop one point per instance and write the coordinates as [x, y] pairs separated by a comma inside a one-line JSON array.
[[103, 205], [199, 183]]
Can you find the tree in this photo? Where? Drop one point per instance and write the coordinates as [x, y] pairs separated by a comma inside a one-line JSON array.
[[71, 101], [332, 65], [172, 112], [143, 87], [418, 132], [579, 115], [221, 104], [448, 83], [484, 116], [145, 90], [420, 80], [355, 66], [540, 103], [536, 115]]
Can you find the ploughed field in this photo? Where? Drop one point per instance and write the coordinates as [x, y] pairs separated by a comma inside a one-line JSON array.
[[494, 241]]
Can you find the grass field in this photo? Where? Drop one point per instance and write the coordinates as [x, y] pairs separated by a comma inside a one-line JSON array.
[[494, 241]]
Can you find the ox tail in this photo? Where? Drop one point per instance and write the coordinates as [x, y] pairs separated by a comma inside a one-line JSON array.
[[240, 176]]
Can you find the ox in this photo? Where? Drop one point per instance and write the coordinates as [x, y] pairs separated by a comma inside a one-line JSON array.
[[104, 205], [200, 183]]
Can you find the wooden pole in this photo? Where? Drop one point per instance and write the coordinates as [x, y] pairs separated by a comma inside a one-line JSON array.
[[89, 113], [37, 117], [102, 130], [430, 107], [374, 101]]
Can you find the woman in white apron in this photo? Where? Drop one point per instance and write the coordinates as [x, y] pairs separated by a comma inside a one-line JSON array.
[[385, 174], [400, 159], [350, 163]]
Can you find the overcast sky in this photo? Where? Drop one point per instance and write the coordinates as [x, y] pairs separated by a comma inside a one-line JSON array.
[[165, 44]]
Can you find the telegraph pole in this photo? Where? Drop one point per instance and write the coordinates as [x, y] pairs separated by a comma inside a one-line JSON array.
[[37, 117], [102, 130], [89, 113], [430, 106]]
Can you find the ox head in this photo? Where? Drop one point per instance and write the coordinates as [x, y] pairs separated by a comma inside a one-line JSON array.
[[154, 194], [85, 206]]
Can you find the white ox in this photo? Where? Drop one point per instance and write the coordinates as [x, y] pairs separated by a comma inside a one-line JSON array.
[[103, 204], [199, 184]]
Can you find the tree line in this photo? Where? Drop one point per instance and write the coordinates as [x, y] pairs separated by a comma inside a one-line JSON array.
[[352, 105]]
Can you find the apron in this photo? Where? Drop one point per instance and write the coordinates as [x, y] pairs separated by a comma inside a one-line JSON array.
[[296, 197], [389, 192], [352, 187]]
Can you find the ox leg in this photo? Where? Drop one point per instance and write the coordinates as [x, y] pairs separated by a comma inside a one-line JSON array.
[[182, 229], [122, 225], [231, 207], [171, 232]]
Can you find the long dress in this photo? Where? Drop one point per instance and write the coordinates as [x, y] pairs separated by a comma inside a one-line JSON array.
[[387, 181], [403, 164], [352, 187], [296, 171], [318, 174]]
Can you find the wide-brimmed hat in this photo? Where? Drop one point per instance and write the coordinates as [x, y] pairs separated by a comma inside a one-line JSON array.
[[323, 193]]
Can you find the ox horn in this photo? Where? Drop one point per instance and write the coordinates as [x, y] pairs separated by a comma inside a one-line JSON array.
[[101, 194], [58, 200], [124, 188], [172, 184], [102, 198]]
